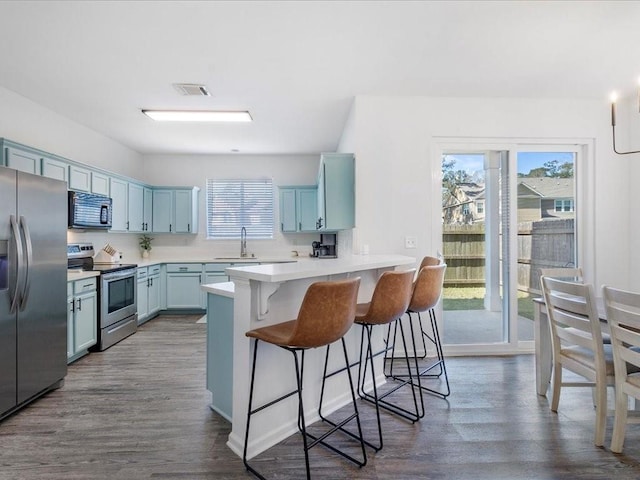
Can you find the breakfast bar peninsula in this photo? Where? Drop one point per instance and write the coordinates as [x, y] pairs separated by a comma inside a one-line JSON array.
[[263, 295]]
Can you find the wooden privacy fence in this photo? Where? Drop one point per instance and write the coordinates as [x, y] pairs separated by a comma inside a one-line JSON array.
[[541, 244]]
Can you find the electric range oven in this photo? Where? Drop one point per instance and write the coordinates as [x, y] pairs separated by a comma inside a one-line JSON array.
[[117, 301]]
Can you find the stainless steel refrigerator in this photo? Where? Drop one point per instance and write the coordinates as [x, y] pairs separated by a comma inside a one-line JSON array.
[[33, 287]]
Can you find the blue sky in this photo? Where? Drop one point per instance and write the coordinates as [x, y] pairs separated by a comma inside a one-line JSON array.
[[527, 161]]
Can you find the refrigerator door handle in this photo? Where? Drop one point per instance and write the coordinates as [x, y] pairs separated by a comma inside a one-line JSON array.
[[28, 262], [18, 239]]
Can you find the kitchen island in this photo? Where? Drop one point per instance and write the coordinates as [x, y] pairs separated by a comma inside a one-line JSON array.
[[269, 294]]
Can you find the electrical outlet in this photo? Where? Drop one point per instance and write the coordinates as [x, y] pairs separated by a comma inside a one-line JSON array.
[[410, 242]]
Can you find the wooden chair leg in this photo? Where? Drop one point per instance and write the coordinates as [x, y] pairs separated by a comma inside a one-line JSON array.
[[620, 421], [601, 415], [557, 383]]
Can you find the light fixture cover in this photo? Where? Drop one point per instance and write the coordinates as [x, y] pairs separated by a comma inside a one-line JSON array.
[[198, 116]]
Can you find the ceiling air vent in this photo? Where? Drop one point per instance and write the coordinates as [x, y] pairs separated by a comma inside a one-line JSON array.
[[192, 89]]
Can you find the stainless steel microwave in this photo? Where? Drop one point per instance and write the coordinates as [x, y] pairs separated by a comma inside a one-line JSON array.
[[89, 210]]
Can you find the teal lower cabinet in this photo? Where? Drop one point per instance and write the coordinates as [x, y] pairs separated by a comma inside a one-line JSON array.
[[183, 286], [220, 348], [82, 326]]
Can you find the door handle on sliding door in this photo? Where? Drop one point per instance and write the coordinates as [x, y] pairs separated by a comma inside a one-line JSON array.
[[28, 262]]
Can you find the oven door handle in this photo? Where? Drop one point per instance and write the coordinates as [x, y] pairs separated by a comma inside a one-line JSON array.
[[130, 272]]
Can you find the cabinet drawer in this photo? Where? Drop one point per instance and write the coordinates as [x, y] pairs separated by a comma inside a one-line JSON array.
[[83, 286], [142, 273], [184, 267], [154, 270]]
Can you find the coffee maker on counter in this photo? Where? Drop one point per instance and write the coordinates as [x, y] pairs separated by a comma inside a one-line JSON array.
[[326, 247]]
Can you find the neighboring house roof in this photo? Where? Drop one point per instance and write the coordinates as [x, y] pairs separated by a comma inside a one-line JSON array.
[[547, 187]]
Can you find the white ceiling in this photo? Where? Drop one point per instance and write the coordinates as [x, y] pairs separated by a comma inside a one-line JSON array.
[[296, 66]]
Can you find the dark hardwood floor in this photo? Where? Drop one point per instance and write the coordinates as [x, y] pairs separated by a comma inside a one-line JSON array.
[[140, 411]]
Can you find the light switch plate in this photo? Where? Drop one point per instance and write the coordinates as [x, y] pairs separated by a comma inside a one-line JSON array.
[[410, 242]]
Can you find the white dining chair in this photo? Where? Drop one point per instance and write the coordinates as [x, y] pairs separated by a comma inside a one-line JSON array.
[[577, 344], [623, 316]]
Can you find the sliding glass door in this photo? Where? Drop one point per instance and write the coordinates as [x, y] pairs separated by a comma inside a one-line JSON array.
[[505, 214]]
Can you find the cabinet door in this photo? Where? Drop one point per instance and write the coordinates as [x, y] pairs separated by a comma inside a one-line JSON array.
[[119, 192], [163, 211], [79, 178], [23, 161], [86, 321], [135, 208], [183, 211], [338, 191], [142, 293], [307, 201], [183, 290], [154, 294], [147, 210], [70, 311], [288, 217], [321, 217], [100, 184], [55, 169]]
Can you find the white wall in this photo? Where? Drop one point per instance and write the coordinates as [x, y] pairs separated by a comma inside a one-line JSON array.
[[194, 170], [26, 122], [398, 167]]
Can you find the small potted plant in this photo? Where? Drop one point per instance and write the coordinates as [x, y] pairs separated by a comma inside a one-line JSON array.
[[145, 245]]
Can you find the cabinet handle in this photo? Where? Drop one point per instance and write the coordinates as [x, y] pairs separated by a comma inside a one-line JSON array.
[[127, 225], [299, 225], [79, 304], [188, 227], [73, 304], [148, 284], [151, 280], [169, 228]]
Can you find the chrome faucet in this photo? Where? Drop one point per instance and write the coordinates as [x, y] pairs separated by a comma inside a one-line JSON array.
[[243, 242]]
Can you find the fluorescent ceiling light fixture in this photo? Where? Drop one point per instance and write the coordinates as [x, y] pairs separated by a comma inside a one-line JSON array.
[[197, 116]]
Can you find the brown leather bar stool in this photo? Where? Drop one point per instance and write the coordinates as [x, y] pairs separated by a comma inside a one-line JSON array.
[[388, 303], [326, 314], [427, 290]]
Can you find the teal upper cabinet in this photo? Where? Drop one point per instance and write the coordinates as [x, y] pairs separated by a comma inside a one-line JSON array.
[[186, 210], [162, 211], [147, 210], [100, 183], [53, 168], [175, 210], [336, 192], [298, 209], [79, 178], [119, 196], [135, 208], [22, 160]]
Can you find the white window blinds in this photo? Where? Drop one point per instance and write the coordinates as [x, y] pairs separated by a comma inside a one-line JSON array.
[[233, 204]]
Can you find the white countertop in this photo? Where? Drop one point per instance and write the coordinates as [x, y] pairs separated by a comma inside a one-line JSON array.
[[73, 275], [225, 289], [147, 262], [314, 267]]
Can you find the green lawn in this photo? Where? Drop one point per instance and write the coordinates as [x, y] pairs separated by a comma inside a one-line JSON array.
[[472, 298]]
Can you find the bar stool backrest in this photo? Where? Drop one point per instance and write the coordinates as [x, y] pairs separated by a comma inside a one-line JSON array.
[[428, 262], [427, 288], [326, 314], [390, 297]]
